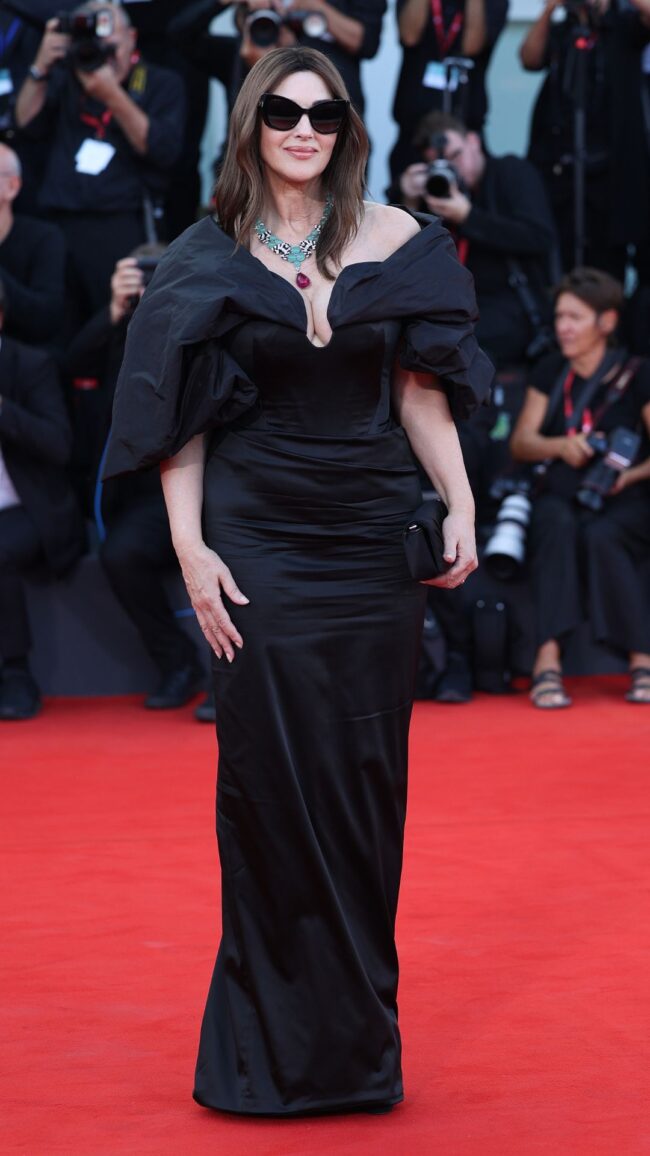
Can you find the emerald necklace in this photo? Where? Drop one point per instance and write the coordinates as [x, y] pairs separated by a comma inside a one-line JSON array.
[[295, 254]]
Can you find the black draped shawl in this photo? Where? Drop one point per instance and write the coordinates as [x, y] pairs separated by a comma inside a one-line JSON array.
[[177, 380]]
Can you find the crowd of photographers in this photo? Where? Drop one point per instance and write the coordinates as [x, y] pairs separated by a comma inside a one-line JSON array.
[[102, 114]]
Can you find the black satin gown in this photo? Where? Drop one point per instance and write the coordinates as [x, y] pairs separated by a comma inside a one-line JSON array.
[[308, 487]]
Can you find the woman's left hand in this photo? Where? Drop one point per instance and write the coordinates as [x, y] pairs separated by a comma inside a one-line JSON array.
[[460, 548]]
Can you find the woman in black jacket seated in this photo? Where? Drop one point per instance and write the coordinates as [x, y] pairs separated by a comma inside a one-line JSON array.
[[580, 535]]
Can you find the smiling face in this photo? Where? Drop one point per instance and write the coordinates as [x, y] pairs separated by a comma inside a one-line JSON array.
[[300, 155]]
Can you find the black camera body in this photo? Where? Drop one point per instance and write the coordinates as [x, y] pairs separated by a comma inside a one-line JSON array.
[[88, 32], [440, 178], [615, 454], [264, 25]]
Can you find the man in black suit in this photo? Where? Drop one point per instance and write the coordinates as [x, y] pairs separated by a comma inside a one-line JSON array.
[[39, 518]]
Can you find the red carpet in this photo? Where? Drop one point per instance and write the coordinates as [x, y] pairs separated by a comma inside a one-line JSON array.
[[524, 936]]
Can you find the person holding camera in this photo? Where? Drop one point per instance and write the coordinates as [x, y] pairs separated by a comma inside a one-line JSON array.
[[40, 523], [587, 136], [447, 45], [136, 549], [497, 210], [116, 125], [586, 423]]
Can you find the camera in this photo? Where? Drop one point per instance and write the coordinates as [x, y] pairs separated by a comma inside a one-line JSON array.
[[88, 32], [264, 25], [441, 175], [616, 453], [505, 550], [147, 266]]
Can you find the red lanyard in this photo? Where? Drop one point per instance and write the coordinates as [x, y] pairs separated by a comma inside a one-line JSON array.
[[445, 38], [99, 123], [462, 249], [587, 417]]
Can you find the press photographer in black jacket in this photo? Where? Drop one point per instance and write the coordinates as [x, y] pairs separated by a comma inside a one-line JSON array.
[[116, 126], [498, 213], [583, 536]]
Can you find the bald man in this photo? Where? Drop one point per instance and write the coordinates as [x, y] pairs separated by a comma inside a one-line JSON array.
[[32, 255], [115, 131]]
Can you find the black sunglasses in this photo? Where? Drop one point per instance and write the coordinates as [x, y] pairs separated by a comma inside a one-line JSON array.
[[282, 114]]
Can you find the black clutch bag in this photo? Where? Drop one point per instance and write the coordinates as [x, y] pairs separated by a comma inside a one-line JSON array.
[[423, 542]]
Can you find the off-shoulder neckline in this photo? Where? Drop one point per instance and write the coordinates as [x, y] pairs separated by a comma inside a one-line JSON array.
[[377, 265]]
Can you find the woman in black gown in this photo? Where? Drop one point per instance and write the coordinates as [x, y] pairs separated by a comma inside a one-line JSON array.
[[279, 406]]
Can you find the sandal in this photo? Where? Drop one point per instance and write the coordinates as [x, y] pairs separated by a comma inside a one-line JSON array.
[[548, 685], [639, 691]]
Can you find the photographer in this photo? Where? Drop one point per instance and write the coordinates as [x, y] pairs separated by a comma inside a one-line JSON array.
[[137, 547], [347, 31], [431, 31], [39, 520], [592, 60], [497, 210], [588, 526], [31, 264], [116, 125]]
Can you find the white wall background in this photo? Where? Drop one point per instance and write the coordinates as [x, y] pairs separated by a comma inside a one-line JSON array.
[[511, 94]]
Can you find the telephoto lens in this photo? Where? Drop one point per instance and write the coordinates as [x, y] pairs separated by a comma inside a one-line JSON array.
[[505, 553]]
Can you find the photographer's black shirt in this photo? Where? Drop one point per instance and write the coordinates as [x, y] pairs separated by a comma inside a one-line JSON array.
[[626, 411], [413, 99], [121, 186]]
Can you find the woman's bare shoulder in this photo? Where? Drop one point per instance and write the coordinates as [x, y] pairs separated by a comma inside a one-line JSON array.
[[387, 227]]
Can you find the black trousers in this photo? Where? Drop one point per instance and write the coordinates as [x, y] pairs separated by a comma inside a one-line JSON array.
[[137, 551], [20, 548], [586, 564]]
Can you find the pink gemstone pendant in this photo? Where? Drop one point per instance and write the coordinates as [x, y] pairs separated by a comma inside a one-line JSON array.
[[302, 281]]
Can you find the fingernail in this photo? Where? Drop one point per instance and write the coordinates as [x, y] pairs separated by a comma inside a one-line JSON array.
[[239, 644], [230, 657]]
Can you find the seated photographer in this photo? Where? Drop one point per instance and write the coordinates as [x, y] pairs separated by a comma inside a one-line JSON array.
[[586, 416], [497, 210], [39, 519], [116, 125], [603, 42], [32, 257], [433, 31], [137, 546]]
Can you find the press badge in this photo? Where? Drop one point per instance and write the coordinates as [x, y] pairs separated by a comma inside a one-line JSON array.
[[93, 157], [6, 83], [435, 76]]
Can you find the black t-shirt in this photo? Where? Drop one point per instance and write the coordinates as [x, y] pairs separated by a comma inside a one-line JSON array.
[[413, 99], [626, 411], [120, 187]]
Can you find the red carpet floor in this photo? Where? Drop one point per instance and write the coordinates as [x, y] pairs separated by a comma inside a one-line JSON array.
[[524, 936]]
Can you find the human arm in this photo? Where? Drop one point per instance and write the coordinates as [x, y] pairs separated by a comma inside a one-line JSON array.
[[528, 444], [104, 87], [205, 574], [423, 411], [347, 30], [33, 94], [518, 223], [533, 50], [416, 14]]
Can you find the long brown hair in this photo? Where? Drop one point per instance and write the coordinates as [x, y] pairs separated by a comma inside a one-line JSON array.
[[239, 192]]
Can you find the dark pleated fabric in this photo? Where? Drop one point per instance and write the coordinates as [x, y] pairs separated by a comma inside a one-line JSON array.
[[309, 483]]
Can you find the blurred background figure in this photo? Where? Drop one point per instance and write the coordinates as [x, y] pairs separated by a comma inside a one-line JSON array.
[[40, 523]]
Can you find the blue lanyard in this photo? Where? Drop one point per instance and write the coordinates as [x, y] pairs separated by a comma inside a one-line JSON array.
[[7, 38]]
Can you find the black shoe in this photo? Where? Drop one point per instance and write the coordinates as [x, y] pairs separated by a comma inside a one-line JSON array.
[[20, 697], [176, 688], [455, 682], [206, 711]]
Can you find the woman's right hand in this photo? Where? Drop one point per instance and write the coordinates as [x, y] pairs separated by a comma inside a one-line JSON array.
[[206, 578], [576, 451]]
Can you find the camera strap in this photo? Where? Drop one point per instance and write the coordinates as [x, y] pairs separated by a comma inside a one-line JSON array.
[[577, 413]]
